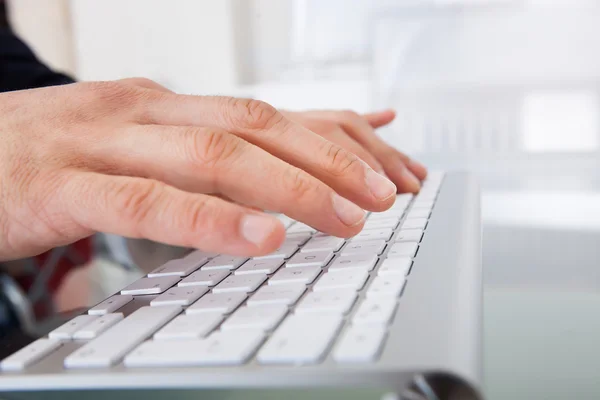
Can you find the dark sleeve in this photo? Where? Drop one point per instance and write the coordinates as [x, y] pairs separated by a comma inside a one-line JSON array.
[[19, 68]]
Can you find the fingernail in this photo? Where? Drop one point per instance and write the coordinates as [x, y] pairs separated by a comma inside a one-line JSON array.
[[348, 212], [257, 228], [411, 179], [381, 187]]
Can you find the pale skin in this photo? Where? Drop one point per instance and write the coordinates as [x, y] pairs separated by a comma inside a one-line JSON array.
[[132, 158]]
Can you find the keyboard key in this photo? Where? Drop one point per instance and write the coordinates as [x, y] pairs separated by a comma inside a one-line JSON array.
[[396, 209], [373, 234], [220, 348], [66, 330], [296, 238], [423, 204], [300, 227], [395, 266], [204, 278], [301, 339], [30, 354], [418, 213], [319, 234], [360, 344], [363, 261], [175, 268], [338, 301], [189, 326], [386, 286], [409, 235], [435, 176], [426, 195], [98, 326], [381, 223], [263, 318], [415, 223], [178, 267], [261, 266], [179, 296], [404, 198], [150, 285], [317, 258], [285, 251], [348, 279], [324, 243], [277, 294], [304, 275], [240, 283], [110, 347], [111, 304], [397, 213], [224, 262], [377, 311], [369, 247], [403, 249], [197, 256], [223, 303]]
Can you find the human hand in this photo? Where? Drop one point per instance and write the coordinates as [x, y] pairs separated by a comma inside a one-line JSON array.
[[132, 158], [356, 133]]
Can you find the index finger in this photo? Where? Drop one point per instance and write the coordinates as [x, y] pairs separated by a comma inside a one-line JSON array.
[[398, 166]]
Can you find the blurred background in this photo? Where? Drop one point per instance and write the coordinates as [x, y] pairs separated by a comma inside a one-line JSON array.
[[506, 89]]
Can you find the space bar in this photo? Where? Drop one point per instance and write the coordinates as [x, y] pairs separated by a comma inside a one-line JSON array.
[[114, 344]]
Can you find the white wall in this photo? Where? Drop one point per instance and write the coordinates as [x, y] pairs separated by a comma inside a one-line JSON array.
[[263, 36], [187, 45], [46, 27]]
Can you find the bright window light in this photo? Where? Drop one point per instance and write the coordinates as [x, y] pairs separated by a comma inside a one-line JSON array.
[[560, 122]]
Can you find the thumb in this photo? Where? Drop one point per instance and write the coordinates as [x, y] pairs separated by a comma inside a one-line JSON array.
[[380, 118]]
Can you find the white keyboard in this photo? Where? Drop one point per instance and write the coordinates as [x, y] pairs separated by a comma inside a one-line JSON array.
[[316, 295]]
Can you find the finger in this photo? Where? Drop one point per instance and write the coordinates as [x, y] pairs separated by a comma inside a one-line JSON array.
[[397, 166], [223, 197], [143, 208], [209, 160], [340, 137], [263, 126], [331, 131], [395, 163], [380, 118]]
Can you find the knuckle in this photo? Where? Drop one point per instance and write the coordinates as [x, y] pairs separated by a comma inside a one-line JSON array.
[[133, 201], [204, 221], [350, 115], [340, 161], [140, 81], [211, 147], [200, 216], [113, 94], [109, 88], [298, 183], [253, 114], [328, 127]]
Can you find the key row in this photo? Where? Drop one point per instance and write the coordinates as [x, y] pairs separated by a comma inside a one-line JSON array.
[[199, 260], [198, 324], [302, 268]]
